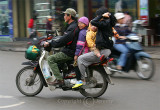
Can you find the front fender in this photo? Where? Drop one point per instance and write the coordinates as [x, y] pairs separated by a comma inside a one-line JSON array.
[[142, 54], [38, 70], [31, 63]]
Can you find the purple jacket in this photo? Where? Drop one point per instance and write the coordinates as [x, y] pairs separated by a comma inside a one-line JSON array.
[[81, 43]]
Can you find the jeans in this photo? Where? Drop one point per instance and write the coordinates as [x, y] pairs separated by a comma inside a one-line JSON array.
[[30, 30], [57, 58], [124, 51]]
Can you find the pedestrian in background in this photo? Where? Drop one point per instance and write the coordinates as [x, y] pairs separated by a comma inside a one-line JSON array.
[[49, 23], [31, 24]]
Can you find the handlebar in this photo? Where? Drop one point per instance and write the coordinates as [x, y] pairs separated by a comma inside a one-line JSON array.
[[49, 32]]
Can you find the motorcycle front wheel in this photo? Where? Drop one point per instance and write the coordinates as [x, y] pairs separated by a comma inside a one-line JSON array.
[[28, 82], [145, 68], [97, 77]]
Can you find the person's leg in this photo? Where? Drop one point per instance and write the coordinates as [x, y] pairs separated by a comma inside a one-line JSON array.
[[124, 51], [97, 53], [57, 58], [78, 73], [87, 59]]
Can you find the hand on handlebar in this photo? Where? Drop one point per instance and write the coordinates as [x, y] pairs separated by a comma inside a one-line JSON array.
[[122, 37]]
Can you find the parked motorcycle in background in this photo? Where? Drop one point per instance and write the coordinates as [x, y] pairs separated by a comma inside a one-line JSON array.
[[137, 59]]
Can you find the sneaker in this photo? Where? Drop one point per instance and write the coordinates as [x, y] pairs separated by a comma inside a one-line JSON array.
[[78, 84], [102, 57]]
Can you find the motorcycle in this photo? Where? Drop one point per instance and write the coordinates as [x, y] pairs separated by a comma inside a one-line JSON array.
[[137, 59], [31, 79]]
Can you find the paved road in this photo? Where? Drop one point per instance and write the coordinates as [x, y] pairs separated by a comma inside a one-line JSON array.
[[128, 93]]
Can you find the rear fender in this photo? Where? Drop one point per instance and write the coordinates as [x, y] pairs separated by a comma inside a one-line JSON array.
[[101, 69]]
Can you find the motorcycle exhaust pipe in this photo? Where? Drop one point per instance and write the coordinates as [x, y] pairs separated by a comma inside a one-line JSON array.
[[114, 70]]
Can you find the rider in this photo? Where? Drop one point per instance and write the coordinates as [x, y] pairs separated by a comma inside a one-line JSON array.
[[123, 30], [81, 47], [69, 40]]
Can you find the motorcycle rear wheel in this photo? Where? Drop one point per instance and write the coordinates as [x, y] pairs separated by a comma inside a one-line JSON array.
[[100, 77], [28, 82], [145, 68]]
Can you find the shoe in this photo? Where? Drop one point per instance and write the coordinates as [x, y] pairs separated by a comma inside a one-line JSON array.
[[56, 82], [78, 84], [102, 57]]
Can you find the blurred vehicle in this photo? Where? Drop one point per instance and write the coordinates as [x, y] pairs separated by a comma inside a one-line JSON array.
[[137, 59]]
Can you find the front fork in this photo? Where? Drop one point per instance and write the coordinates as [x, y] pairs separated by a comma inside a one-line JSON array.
[[37, 70]]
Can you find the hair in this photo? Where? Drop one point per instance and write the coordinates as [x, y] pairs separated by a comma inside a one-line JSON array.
[[73, 18], [34, 14], [101, 11], [126, 12]]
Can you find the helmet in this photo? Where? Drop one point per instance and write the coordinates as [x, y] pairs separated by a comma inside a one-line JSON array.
[[119, 16], [32, 53]]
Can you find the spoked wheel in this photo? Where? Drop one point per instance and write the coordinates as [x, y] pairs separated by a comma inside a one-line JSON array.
[[28, 82], [97, 84], [145, 68]]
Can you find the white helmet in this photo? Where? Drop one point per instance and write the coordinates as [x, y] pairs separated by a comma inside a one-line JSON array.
[[119, 16]]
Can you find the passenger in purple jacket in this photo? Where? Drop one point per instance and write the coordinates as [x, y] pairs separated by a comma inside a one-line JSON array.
[[81, 43], [81, 47]]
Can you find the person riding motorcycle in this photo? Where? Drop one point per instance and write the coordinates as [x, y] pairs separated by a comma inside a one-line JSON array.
[[123, 30], [69, 40]]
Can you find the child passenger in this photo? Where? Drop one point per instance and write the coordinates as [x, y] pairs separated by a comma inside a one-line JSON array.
[[81, 46], [91, 37]]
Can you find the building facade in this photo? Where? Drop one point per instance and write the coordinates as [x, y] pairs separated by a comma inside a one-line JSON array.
[[15, 14]]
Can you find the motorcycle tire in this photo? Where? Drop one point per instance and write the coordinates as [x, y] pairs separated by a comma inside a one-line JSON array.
[[102, 73], [145, 68], [26, 80]]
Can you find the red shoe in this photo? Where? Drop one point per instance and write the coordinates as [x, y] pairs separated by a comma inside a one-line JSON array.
[[102, 57]]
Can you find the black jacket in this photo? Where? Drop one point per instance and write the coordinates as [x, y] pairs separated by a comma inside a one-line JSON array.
[[105, 33], [69, 40]]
